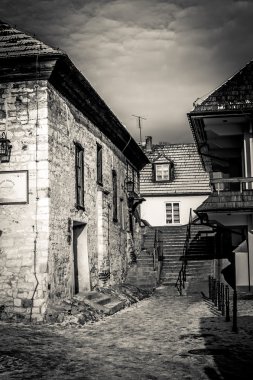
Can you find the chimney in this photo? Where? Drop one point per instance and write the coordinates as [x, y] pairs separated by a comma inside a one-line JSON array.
[[148, 146]]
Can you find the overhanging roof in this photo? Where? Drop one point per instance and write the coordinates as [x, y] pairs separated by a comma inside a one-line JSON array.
[[228, 201], [236, 94], [219, 121]]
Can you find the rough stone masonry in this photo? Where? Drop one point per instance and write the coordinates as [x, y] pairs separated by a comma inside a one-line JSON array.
[[36, 261]]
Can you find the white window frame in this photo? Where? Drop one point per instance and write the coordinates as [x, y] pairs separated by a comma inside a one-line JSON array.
[[172, 212], [162, 167]]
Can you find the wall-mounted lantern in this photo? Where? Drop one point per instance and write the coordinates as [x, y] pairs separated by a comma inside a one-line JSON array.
[[5, 148], [130, 186]]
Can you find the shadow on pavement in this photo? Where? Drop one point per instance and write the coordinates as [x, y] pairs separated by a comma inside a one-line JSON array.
[[232, 353], [32, 353]]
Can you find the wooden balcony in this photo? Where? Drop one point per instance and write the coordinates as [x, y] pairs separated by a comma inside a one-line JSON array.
[[239, 184], [229, 194]]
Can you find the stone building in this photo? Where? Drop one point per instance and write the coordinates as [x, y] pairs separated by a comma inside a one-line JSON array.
[[70, 186]]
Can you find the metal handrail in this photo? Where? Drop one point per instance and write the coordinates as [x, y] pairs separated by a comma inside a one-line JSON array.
[[180, 283]]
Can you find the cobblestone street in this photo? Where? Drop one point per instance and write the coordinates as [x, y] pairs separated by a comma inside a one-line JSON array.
[[162, 337]]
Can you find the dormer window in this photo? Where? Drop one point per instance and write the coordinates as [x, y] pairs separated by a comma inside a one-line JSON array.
[[163, 169], [162, 172]]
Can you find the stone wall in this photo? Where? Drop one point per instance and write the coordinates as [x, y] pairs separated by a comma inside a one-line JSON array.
[[24, 227], [106, 239]]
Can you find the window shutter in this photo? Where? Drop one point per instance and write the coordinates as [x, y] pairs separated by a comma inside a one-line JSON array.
[[114, 196], [79, 169], [99, 165]]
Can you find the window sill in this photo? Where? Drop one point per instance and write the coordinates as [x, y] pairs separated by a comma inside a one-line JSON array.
[[78, 207], [163, 180]]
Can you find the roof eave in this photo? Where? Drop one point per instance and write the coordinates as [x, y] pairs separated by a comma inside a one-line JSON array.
[[87, 101], [220, 210]]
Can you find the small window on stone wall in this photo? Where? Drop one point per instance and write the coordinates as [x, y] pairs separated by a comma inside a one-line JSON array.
[[99, 165], [79, 169], [114, 196]]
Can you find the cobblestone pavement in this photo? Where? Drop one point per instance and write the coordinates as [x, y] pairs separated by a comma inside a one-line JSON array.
[[163, 337]]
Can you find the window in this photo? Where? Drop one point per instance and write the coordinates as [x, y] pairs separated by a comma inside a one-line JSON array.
[[114, 197], [172, 213], [133, 178], [136, 182], [99, 165], [163, 171], [79, 157]]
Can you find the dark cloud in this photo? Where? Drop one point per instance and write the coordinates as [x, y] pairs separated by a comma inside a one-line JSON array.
[[145, 57]]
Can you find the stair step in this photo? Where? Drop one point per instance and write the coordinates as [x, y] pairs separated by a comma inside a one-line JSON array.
[[174, 238], [101, 301], [99, 298]]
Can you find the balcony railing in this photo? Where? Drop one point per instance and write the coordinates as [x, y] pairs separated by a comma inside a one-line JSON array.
[[232, 184]]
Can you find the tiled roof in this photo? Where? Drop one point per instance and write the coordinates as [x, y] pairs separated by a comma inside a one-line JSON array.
[[189, 175], [228, 201], [16, 43], [161, 159], [235, 94]]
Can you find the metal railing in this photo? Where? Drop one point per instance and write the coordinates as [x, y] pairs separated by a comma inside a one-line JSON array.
[[232, 184], [220, 297], [180, 283]]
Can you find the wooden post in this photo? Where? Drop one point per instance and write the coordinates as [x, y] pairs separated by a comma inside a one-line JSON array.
[[210, 287], [234, 326], [227, 303], [222, 300]]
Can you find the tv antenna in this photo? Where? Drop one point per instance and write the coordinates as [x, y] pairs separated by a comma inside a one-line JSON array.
[[139, 123]]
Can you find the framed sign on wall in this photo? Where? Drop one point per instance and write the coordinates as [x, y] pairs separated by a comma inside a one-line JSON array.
[[13, 187]]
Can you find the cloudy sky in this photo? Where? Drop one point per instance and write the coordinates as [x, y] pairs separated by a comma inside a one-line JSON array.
[[151, 58]]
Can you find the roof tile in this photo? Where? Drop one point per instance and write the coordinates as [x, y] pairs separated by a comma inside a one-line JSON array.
[[16, 43], [227, 201], [189, 174], [234, 94]]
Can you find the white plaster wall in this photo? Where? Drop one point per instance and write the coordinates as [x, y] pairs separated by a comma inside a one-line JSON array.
[[153, 209], [250, 245]]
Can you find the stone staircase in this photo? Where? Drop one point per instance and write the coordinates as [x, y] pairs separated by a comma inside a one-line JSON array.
[[199, 255], [145, 273], [148, 272]]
